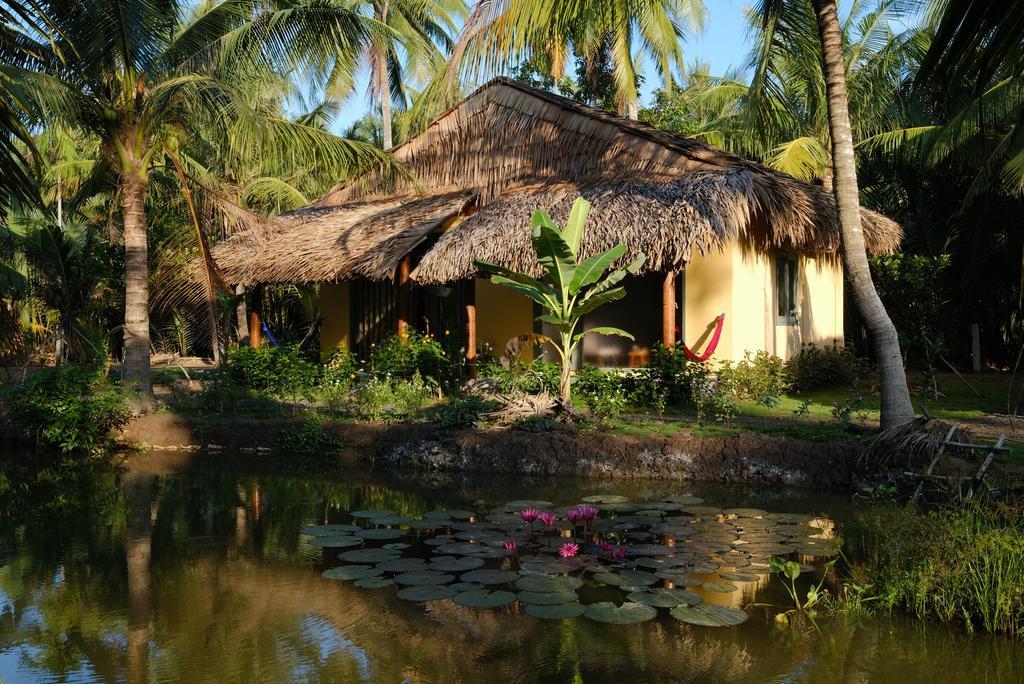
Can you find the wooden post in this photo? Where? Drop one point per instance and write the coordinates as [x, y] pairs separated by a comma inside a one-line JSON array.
[[668, 309], [471, 328], [404, 296], [255, 328], [976, 347]]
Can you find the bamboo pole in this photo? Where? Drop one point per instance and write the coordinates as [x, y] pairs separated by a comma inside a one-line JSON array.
[[471, 328], [668, 309]]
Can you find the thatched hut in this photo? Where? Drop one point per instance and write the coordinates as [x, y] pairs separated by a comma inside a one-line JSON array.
[[723, 234]]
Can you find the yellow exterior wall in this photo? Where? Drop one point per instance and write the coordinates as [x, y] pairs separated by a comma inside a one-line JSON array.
[[709, 292], [334, 318], [740, 281], [501, 314]]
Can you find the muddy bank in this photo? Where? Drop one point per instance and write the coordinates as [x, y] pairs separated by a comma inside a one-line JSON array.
[[748, 457]]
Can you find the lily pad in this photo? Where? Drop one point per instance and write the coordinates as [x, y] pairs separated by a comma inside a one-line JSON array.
[[541, 565], [523, 504], [391, 520], [627, 614], [745, 512], [329, 530], [437, 515], [561, 611], [482, 598], [685, 500], [368, 556], [454, 564], [626, 577], [466, 586], [710, 615], [380, 534], [680, 596], [490, 576], [336, 542], [665, 598], [429, 592], [560, 583], [371, 513], [399, 546], [419, 577], [606, 499], [350, 572], [427, 524], [680, 579], [719, 587], [374, 582], [738, 576], [402, 565], [546, 598]]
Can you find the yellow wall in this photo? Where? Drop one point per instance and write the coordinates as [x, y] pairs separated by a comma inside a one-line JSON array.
[[741, 282], [501, 314], [334, 318]]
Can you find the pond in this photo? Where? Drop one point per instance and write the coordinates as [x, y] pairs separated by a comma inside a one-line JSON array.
[[201, 571]]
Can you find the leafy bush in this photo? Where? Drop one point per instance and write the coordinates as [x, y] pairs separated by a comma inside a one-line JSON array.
[[284, 370], [533, 377], [759, 377], [73, 408], [416, 353], [310, 445], [391, 399], [464, 412], [816, 367], [603, 392], [339, 374], [711, 394], [955, 565]]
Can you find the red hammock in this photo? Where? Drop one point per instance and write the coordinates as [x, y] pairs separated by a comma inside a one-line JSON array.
[[720, 323]]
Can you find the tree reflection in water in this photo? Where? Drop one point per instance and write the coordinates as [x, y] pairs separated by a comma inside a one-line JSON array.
[[203, 575]]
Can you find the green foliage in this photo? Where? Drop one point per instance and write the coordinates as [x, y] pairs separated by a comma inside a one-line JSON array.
[[914, 292], [279, 371], [310, 446], [759, 377], [72, 408], [852, 408], [954, 565], [339, 375], [816, 367], [533, 377], [603, 392], [392, 399], [574, 288], [464, 412], [417, 353]]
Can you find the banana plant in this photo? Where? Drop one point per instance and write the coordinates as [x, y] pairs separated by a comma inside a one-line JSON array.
[[571, 288]]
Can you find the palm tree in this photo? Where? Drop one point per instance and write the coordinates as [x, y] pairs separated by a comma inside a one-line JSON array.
[[896, 407], [147, 74], [501, 34]]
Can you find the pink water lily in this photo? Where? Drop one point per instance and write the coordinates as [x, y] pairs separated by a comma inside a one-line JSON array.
[[511, 546], [548, 518], [588, 513], [607, 547], [529, 515], [574, 515], [621, 552], [568, 550]]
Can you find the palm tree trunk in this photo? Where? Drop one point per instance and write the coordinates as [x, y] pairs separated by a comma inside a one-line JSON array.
[[382, 84], [135, 372], [896, 406], [241, 317]]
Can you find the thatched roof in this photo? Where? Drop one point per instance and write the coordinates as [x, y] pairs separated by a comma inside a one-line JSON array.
[[509, 150]]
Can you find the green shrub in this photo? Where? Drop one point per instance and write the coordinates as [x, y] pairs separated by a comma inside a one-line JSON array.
[[532, 378], [816, 367], [416, 353], [464, 412], [603, 392], [339, 375], [955, 565], [277, 371], [392, 399], [73, 409], [310, 446], [712, 395], [759, 377]]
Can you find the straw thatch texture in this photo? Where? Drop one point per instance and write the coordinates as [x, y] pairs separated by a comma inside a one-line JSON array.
[[361, 239], [669, 220], [509, 150]]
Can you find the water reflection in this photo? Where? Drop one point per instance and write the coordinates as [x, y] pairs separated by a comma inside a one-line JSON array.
[[202, 575]]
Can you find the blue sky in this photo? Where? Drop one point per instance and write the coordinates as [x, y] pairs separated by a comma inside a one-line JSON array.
[[723, 44]]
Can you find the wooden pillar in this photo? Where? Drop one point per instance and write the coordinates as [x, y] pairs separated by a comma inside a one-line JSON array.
[[471, 328], [404, 297], [255, 329], [668, 309]]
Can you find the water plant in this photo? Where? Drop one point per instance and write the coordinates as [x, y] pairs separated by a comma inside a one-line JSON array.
[[789, 571]]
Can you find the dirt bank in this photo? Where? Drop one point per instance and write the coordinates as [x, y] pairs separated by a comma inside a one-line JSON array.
[[747, 457]]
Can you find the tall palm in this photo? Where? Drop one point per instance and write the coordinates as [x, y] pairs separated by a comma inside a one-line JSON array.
[[500, 34], [896, 407], [147, 72], [419, 38]]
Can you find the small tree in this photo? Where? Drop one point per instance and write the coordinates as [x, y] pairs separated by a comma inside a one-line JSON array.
[[576, 287]]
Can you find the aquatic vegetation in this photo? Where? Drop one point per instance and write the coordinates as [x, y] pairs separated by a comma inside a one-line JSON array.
[[639, 558]]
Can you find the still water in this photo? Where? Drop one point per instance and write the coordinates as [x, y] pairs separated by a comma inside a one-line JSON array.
[[200, 572]]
